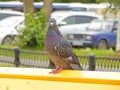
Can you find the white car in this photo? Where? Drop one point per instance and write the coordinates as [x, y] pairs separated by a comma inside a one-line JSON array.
[[70, 22], [8, 28], [7, 13]]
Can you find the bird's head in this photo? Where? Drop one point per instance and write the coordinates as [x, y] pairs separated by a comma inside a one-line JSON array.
[[52, 22], [53, 28]]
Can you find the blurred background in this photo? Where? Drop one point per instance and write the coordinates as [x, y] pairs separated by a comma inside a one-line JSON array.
[[91, 26]]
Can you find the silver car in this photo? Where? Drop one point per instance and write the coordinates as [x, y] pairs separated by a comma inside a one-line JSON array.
[[70, 22]]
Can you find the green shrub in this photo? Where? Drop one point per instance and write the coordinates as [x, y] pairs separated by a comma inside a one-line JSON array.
[[34, 32]]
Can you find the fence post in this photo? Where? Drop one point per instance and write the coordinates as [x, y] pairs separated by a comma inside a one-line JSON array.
[[17, 56], [92, 63]]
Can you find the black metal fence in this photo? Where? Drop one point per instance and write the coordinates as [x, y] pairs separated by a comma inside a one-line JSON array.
[[19, 57]]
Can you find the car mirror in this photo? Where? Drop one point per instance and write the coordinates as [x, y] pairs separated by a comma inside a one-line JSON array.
[[62, 23], [115, 28]]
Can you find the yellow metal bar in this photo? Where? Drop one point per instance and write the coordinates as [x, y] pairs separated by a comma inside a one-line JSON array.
[[40, 79], [65, 76], [62, 79]]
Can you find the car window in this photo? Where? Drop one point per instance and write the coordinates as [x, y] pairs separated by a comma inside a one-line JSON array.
[[84, 19], [70, 20], [4, 15], [100, 25], [78, 19], [115, 27]]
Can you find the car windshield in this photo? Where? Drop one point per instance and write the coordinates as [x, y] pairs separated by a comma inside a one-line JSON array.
[[100, 25]]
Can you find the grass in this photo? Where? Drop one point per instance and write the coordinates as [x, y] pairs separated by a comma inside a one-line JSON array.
[[96, 52], [10, 65], [6, 65], [78, 51], [7, 46]]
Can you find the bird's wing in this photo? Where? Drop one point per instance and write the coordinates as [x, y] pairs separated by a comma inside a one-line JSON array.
[[65, 51]]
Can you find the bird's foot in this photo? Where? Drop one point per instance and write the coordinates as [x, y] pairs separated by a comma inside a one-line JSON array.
[[55, 71]]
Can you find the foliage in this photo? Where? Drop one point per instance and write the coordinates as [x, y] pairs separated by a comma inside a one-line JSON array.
[[116, 3], [114, 6], [34, 32]]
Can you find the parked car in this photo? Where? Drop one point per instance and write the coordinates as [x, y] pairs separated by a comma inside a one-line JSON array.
[[7, 13], [69, 21], [8, 28], [101, 33]]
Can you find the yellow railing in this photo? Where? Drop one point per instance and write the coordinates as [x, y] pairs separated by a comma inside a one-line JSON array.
[[40, 79]]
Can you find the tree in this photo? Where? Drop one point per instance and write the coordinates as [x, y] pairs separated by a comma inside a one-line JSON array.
[[115, 6], [28, 7], [48, 8], [34, 32], [118, 35]]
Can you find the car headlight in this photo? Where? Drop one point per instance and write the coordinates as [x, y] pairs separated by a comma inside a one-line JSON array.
[[70, 36], [88, 37]]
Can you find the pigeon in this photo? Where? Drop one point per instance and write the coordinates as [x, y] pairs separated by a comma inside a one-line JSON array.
[[60, 50]]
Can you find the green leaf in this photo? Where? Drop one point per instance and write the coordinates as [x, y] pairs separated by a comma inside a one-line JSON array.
[[34, 33]]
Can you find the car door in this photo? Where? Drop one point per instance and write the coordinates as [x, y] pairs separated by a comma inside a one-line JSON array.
[[83, 21], [75, 23], [69, 25], [114, 35]]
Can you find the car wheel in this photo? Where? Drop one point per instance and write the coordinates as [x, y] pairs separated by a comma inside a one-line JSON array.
[[102, 44], [8, 40]]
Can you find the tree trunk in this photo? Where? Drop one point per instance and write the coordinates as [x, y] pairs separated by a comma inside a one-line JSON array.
[[48, 8], [28, 7], [118, 35]]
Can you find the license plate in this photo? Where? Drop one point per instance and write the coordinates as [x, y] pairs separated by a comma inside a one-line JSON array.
[[77, 43]]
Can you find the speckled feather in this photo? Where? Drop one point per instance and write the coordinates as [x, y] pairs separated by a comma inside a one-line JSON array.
[[59, 50]]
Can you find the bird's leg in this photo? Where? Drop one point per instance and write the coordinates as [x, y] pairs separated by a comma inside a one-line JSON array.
[[57, 70]]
